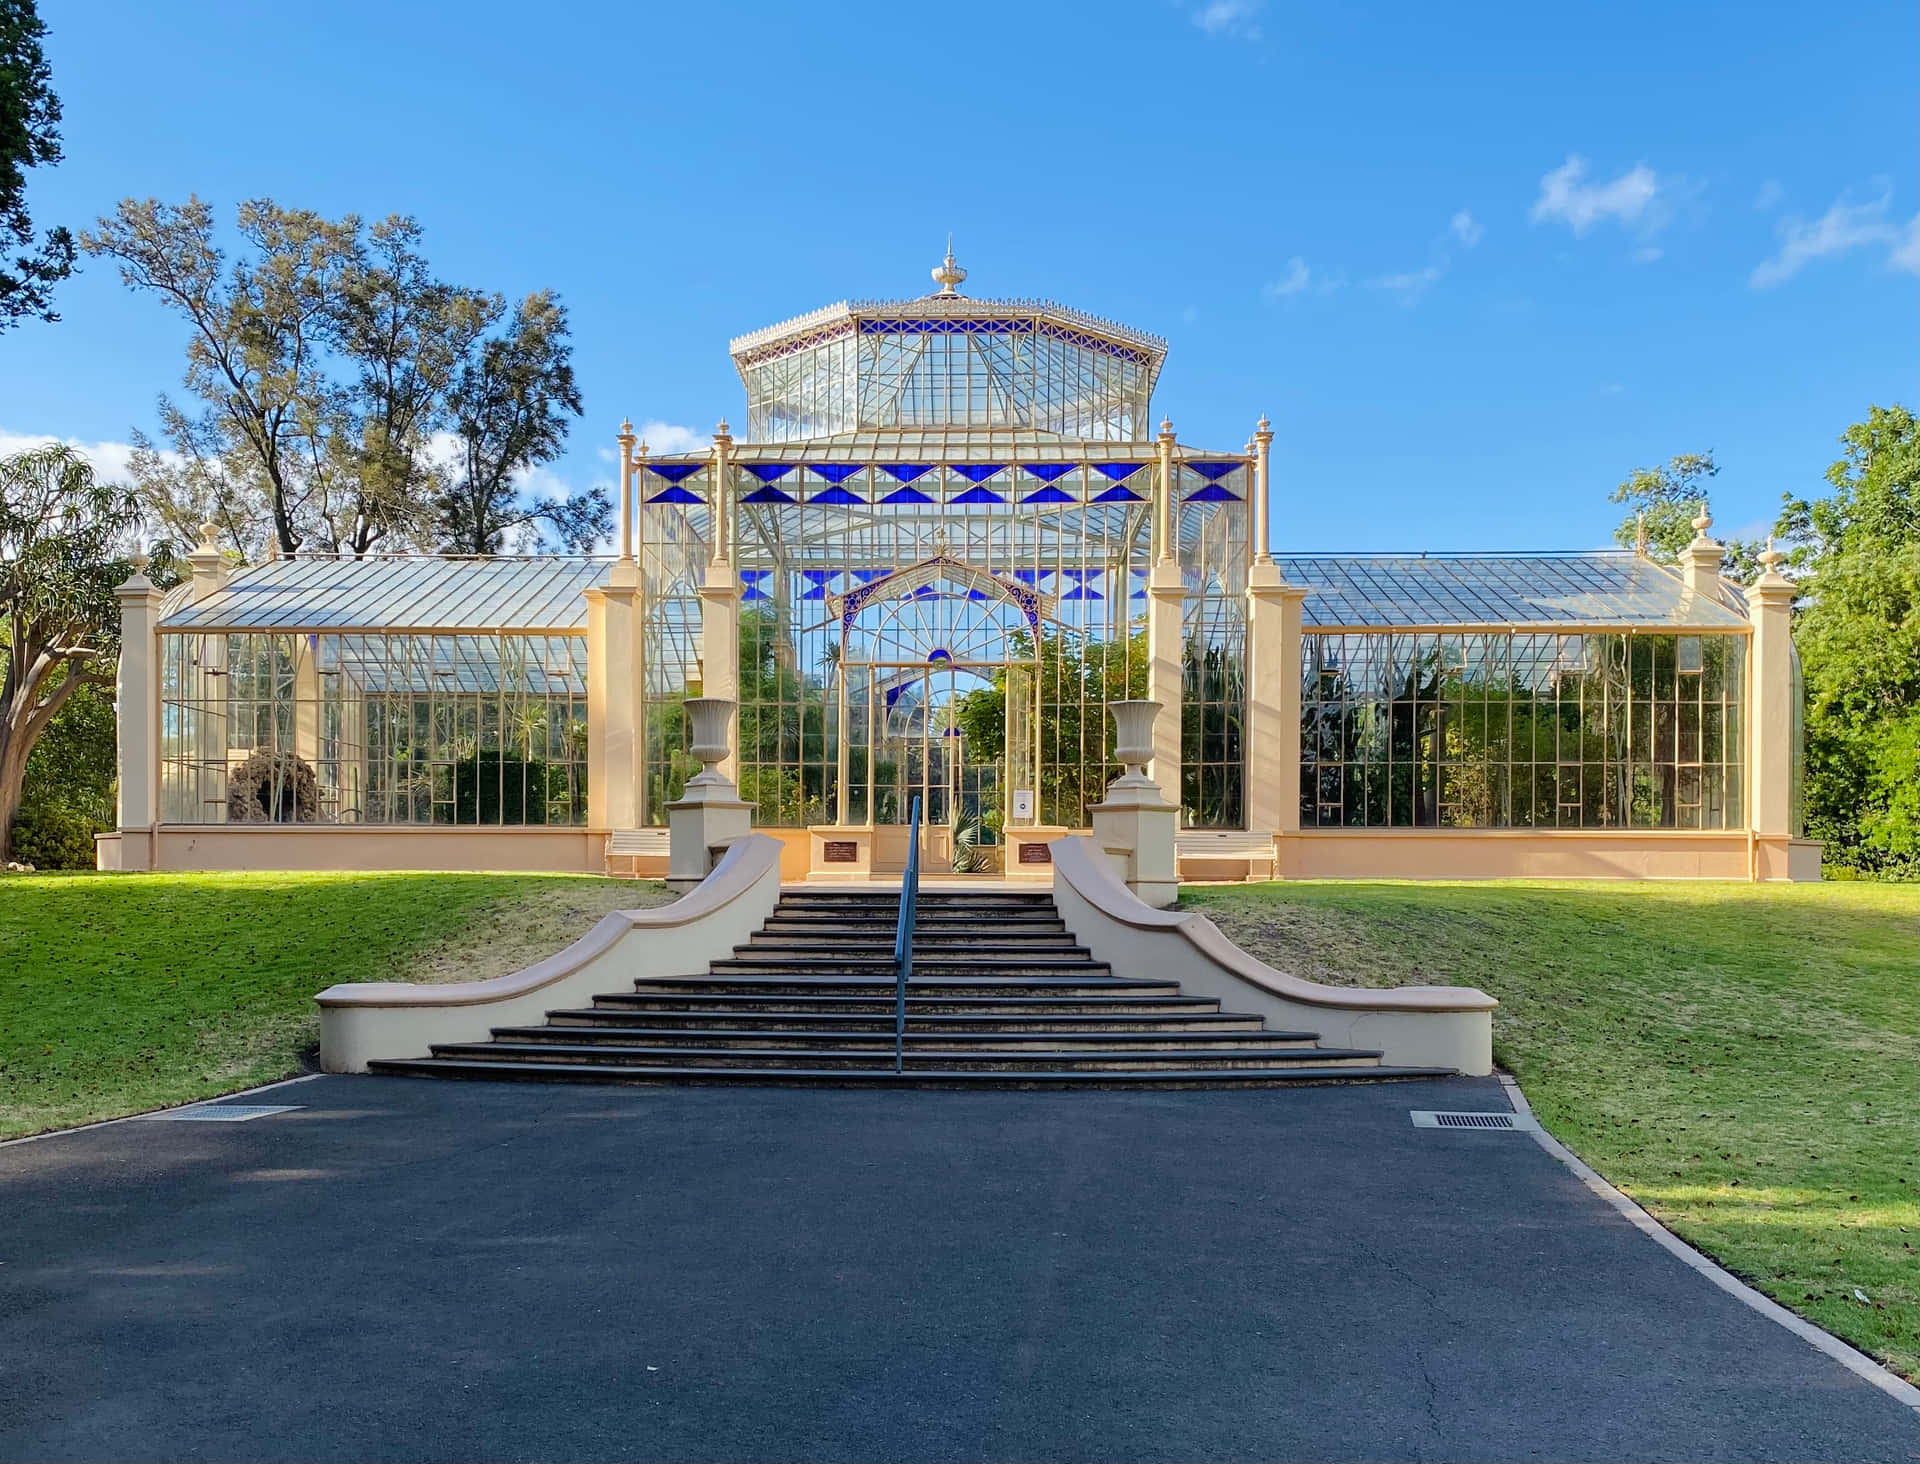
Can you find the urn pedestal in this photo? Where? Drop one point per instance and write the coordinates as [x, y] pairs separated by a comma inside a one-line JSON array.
[[709, 814], [1134, 826]]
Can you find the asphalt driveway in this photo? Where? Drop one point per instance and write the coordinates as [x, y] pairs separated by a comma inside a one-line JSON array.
[[416, 1270]]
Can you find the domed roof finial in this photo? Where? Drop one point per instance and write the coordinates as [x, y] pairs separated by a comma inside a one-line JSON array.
[[948, 275]]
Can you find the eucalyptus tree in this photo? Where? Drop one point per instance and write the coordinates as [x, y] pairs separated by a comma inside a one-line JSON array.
[[29, 138], [61, 529]]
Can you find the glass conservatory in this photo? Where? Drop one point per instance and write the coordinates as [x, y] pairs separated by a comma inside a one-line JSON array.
[[948, 539]]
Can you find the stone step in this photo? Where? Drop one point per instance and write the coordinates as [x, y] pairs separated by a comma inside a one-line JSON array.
[[748, 1020], [881, 1040], [606, 1054], [933, 968], [919, 988], [545, 1072], [931, 920], [981, 1005], [1014, 941]]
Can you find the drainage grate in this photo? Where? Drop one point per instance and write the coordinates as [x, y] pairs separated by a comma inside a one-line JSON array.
[[1423, 1118], [221, 1112]]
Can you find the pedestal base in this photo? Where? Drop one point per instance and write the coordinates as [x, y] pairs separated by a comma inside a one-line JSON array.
[[1029, 852], [1135, 829], [837, 852], [699, 827]]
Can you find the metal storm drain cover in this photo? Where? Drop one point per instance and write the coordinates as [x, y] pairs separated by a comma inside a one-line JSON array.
[[221, 1112], [1423, 1118]]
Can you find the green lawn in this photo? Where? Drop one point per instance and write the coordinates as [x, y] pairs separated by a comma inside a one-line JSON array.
[[128, 992], [1740, 1059]]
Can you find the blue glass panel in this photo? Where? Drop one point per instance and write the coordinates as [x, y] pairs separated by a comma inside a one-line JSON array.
[[940, 653], [1117, 494], [1214, 472], [837, 495], [674, 472], [837, 472], [906, 472], [754, 592], [1031, 576], [1117, 471], [1212, 493], [676, 495], [904, 495], [1049, 494], [818, 579], [769, 472], [769, 495], [1049, 472], [977, 472], [979, 495], [1081, 592]]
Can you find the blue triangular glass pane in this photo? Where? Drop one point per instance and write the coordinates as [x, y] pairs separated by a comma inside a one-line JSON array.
[[674, 472], [977, 472], [979, 495], [1214, 472], [769, 495], [1031, 576], [1212, 493], [1049, 472], [906, 472], [1117, 494], [836, 495], [1117, 471], [1049, 494], [754, 592], [676, 495], [1081, 592], [837, 472], [906, 495], [769, 472], [978, 595]]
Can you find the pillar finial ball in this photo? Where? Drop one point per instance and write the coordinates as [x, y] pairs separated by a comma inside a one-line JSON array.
[[644, 449], [139, 559], [948, 275], [209, 535], [1166, 426], [1702, 522], [1771, 557], [722, 430], [626, 428], [1265, 426]]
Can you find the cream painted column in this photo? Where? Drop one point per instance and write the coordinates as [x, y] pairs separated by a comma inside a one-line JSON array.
[[1770, 701], [1273, 670], [136, 704], [612, 656], [720, 602], [1700, 560], [1166, 634]]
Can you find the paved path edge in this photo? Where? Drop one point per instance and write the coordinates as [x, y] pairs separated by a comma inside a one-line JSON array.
[[81, 1128], [1849, 1357]]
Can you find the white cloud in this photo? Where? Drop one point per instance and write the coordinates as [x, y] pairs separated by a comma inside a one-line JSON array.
[[1769, 197], [1843, 228], [109, 459], [1411, 285], [1238, 19], [1647, 253], [667, 438], [1634, 199], [1293, 282], [1465, 228]]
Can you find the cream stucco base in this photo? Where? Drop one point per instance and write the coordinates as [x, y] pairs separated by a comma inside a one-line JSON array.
[[1411, 1026], [552, 850], [1542, 854], [365, 1021]]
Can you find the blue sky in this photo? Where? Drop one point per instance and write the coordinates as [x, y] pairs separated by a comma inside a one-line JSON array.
[[1477, 263]]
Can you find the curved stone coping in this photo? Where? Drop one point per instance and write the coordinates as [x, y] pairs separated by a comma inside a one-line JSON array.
[[746, 863], [1078, 862]]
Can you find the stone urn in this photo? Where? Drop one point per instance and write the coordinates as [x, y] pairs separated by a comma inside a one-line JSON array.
[[712, 718], [1133, 738]]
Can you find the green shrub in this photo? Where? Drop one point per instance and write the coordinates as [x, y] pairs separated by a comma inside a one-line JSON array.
[[49, 836], [487, 790]]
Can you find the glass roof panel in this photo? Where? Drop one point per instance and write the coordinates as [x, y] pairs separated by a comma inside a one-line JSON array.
[[1597, 588], [399, 593]]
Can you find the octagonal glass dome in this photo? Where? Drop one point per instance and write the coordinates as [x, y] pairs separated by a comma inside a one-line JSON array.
[[946, 360]]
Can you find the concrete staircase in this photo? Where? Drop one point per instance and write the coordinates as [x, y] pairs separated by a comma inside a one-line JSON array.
[[1001, 997]]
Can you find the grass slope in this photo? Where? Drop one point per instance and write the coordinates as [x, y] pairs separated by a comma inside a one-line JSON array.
[[1741, 1059], [128, 992]]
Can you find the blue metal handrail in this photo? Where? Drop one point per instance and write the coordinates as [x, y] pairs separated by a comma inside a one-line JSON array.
[[903, 937]]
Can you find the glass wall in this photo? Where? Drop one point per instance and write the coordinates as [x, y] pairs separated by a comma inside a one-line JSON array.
[[950, 629], [1001, 371], [1503, 729], [361, 728]]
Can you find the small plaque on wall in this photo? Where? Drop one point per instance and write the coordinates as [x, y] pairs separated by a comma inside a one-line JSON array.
[[1036, 853], [840, 851]]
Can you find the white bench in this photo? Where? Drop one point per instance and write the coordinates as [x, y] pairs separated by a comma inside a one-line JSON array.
[[1227, 845], [643, 842]]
